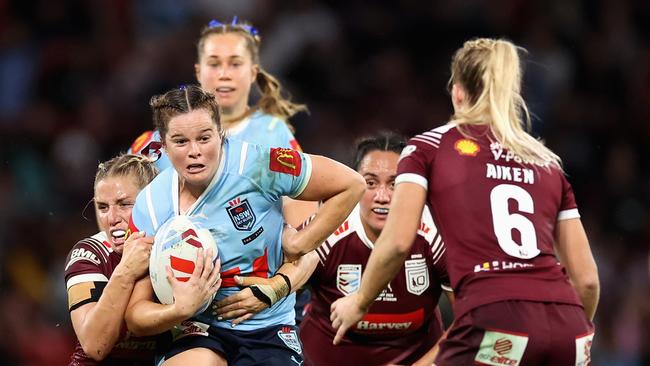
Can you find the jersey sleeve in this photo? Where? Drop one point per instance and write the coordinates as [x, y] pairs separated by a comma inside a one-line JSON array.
[[414, 162], [568, 206], [142, 216], [281, 135], [286, 172], [84, 272], [150, 145], [430, 233]]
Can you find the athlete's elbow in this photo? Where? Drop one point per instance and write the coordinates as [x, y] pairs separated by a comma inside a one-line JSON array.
[[587, 281], [97, 349]]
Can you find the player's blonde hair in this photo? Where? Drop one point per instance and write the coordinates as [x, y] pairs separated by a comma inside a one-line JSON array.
[[127, 165], [489, 71], [272, 101]]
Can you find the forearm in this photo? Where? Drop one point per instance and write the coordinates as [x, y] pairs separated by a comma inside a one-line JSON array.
[[589, 296], [300, 270], [329, 217], [147, 318], [102, 324], [295, 212], [383, 265]]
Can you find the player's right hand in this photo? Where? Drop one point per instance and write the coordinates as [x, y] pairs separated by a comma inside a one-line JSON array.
[[345, 312], [205, 280], [135, 255]]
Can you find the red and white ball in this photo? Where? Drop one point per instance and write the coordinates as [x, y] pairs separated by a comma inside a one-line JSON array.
[[175, 245]]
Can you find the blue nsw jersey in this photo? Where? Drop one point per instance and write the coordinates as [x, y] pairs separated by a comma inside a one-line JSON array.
[[240, 209]]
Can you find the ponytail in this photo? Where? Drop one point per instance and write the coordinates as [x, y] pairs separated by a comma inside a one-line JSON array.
[[489, 70]]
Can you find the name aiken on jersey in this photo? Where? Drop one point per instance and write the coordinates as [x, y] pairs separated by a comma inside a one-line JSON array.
[[513, 174]]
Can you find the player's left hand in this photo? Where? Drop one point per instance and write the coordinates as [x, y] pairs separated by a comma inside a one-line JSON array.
[[244, 304], [345, 312]]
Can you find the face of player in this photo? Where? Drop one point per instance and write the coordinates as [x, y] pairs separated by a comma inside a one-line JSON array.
[[226, 69], [114, 200], [193, 144], [379, 169]]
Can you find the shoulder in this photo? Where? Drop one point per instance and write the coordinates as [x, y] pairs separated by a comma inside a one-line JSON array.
[[431, 139], [339, 237], [88, 255]]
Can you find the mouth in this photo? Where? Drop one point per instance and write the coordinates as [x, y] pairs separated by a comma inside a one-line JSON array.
[[195, 168], [224, 91], [118, 236], [382, 211]]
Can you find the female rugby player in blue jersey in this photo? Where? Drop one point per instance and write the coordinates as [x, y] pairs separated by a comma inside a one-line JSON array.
[[213, 178]]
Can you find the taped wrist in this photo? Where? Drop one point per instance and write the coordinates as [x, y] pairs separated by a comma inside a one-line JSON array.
[[272, 293]]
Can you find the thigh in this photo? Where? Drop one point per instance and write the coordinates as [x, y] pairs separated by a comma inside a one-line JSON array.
[[572, 333], [196, 357]]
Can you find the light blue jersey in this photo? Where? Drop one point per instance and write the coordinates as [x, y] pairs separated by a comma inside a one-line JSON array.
[[240, 209], [263, 129], [259, 128]]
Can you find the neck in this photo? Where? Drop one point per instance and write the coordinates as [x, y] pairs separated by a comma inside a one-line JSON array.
[[370, 233], [230, 119]]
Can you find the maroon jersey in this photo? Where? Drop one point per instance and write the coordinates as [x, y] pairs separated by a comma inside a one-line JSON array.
[[496, 213], [88, 267], [403, 321]]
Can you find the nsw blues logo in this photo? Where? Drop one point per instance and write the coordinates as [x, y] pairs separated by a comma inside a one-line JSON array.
[[241, 214]]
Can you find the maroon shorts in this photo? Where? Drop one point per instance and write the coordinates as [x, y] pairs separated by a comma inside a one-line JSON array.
[[519, 333], [318, 349]]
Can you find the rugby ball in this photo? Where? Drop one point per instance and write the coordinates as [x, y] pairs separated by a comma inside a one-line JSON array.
[[175, 245]]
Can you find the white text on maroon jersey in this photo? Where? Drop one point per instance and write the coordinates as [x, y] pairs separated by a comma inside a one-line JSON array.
[[366, 325], [509, 173]]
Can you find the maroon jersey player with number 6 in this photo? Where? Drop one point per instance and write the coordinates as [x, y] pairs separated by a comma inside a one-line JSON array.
[[524, 277]]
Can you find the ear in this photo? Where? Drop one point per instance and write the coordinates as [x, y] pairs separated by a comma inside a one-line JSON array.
[[255, 69], [197, 71], [458, 96]]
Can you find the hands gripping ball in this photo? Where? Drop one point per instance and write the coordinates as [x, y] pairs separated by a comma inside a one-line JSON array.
[[175, 245]]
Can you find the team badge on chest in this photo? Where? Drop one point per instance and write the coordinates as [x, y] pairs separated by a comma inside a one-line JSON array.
[[241, 214], [417, 276], [348, 277]]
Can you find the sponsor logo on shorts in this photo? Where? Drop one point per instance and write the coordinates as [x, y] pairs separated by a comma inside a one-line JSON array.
[[417, 276], [583, 349], [499, 348], [189, 328], [241, 214], [290, 338], [348, 277]]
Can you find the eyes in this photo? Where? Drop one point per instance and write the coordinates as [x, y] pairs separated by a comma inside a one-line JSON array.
[[104, 207], [372, 183], [233, 64], [181, 141]]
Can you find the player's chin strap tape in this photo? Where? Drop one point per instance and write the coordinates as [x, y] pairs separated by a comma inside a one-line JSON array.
[[268, 294]]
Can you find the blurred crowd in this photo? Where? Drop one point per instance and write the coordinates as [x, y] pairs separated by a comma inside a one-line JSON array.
[[76, 77]]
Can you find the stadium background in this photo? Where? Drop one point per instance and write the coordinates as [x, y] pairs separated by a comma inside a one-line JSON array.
[[76, 77]]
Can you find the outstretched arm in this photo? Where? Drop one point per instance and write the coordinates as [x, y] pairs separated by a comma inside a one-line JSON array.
[[572, 248], [386, 259]]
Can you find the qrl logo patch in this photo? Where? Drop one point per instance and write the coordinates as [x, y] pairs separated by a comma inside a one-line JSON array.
[[285, 161], [241, 214], [189, 328], [348, 277], [290, 338], [499, 348], [417, 275]]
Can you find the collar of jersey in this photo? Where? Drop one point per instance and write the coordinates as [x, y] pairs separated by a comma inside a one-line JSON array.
[[357, 225], [213, 182]]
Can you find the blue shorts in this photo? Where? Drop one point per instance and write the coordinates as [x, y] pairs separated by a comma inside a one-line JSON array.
[[274, 345]]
